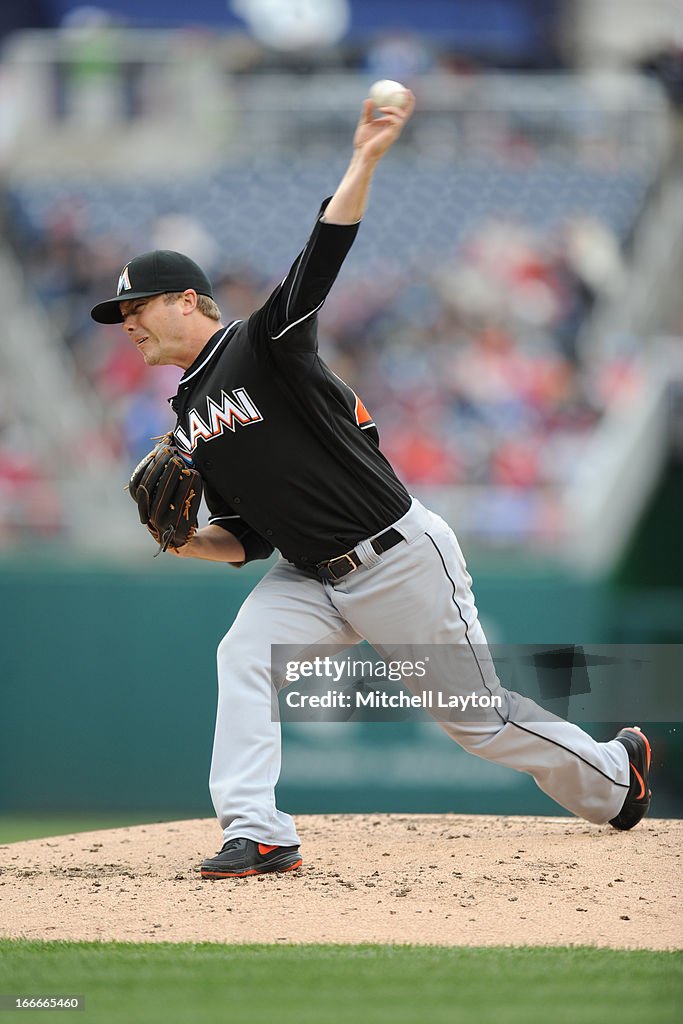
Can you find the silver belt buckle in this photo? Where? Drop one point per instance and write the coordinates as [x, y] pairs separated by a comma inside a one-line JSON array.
[[340, 558]]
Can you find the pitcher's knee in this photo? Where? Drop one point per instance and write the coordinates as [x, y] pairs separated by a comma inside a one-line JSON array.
[[225, 649], [474, 738], [241, 663], [236, 650]]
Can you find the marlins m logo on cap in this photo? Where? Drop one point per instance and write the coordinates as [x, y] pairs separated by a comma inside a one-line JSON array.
[[152, 273], [124, 281]]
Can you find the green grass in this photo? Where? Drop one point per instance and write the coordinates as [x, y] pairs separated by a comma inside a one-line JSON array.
[[15, 827], [170, 984]]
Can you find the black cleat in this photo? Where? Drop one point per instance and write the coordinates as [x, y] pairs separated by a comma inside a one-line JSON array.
[[242, 857], [637, 802]]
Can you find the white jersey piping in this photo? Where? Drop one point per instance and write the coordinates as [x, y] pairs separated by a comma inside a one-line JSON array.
[[184, 380], [276, 337]]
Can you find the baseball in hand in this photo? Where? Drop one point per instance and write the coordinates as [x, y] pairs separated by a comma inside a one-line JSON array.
[[386, 93]]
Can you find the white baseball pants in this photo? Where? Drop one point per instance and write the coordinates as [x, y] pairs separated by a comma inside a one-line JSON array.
[[416, 594]]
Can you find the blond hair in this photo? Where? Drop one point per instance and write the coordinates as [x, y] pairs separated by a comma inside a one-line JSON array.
[[205, 304]]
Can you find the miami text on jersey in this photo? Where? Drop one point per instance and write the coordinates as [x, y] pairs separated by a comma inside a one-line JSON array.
[[232, 409]]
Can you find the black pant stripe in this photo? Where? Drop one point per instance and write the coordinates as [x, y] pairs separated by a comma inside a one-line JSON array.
[[509, 721]]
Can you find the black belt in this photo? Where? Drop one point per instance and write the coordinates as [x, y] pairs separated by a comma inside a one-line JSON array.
[[336, 568]]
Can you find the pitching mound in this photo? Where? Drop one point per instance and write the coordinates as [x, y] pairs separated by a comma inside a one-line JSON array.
[[441, 879]]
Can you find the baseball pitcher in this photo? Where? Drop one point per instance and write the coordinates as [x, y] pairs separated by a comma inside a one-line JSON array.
[[288, 458]]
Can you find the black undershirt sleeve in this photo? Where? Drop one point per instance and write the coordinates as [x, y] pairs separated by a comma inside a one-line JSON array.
[[296, 301], [222, 514]]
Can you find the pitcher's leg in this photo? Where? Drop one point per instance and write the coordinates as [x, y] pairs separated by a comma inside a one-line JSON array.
[[420, 595], [285, 607], [590, 779]]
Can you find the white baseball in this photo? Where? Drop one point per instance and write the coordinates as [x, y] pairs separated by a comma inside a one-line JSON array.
[[386, 93]]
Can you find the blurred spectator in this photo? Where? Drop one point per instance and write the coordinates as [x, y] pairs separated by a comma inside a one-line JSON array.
[[182, 233], [666, 64], [95, 86], [399, 56], [29, 501]]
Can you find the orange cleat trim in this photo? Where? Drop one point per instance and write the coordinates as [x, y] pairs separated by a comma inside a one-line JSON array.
[[251, 871], [638, 776], [263, 849], [630, 728]]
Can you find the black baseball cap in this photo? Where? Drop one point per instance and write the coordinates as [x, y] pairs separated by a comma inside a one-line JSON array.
[[153, 273]]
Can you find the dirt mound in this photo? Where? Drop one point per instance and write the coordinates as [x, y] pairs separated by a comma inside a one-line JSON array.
[[442, 879]]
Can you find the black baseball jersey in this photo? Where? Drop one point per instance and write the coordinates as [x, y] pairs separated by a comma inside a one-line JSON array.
[[288, 452]]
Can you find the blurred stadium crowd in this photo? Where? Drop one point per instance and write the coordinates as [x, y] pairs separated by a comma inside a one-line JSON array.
[[461, 318], [470, 363], [470, 359]]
